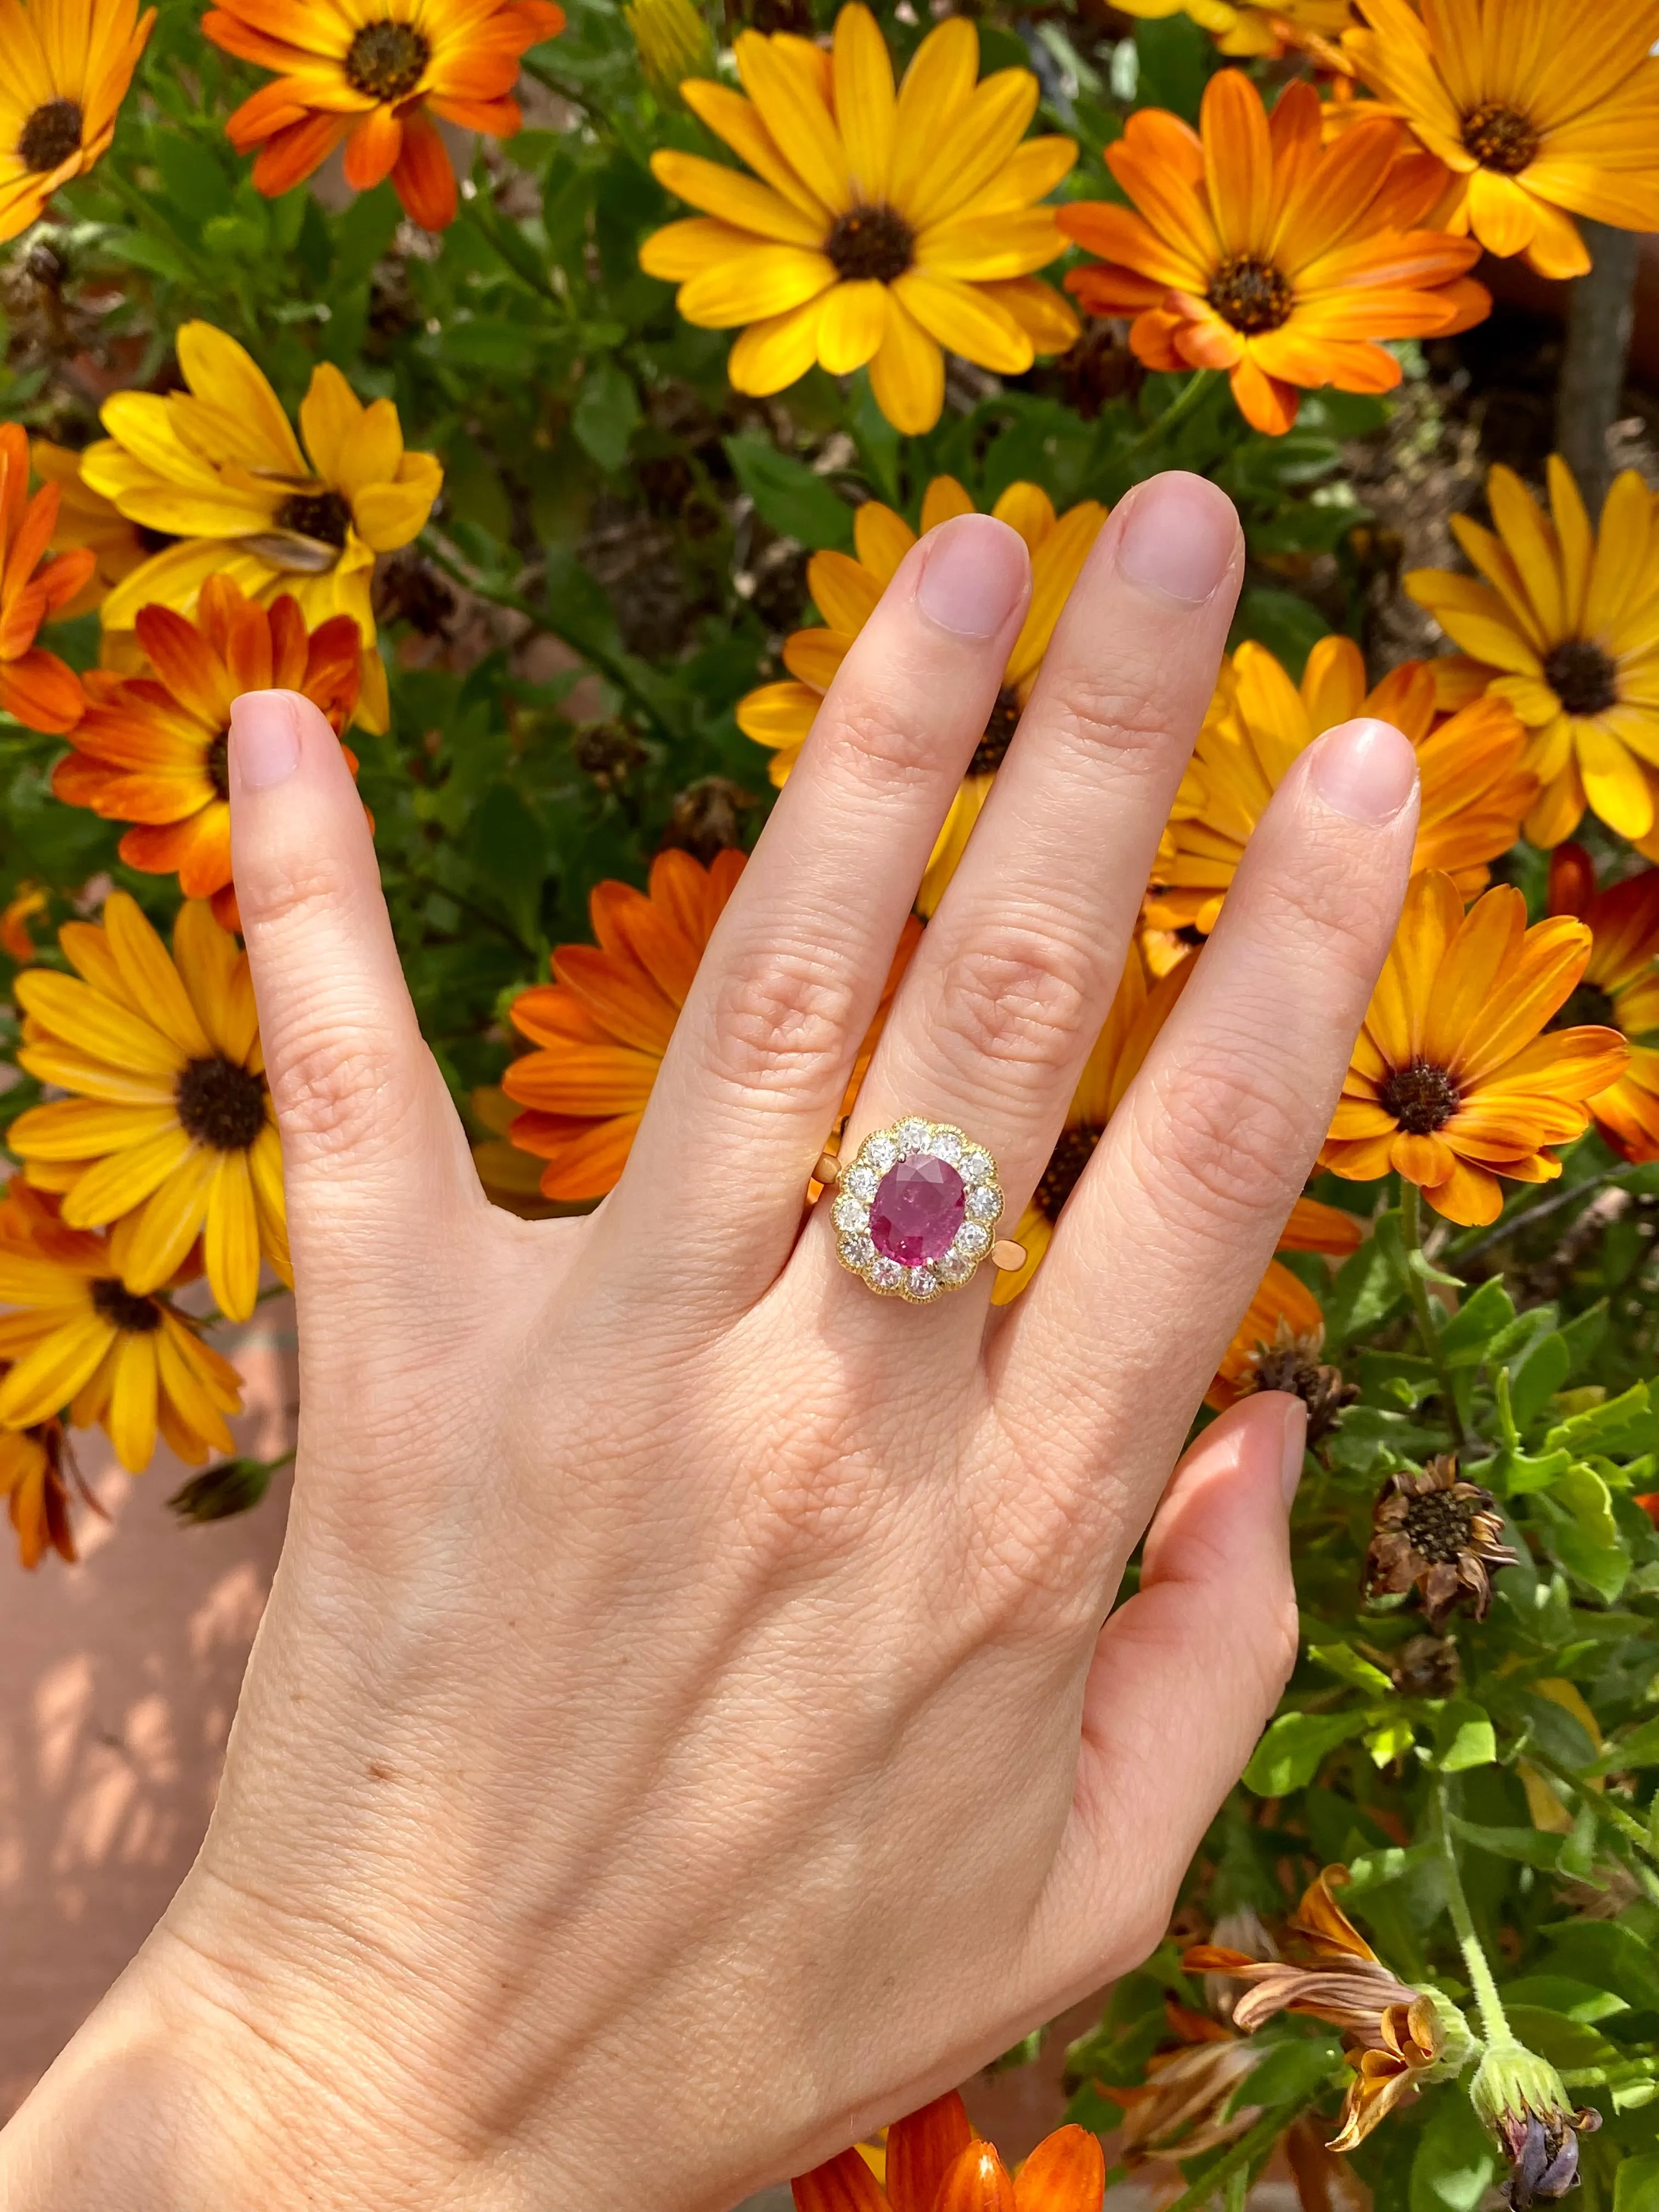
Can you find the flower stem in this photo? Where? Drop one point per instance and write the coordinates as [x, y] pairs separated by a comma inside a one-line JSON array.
[[1417, 1289], [1494, 2021], [1178, 410]]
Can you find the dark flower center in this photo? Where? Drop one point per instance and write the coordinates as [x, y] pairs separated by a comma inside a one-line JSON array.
[[1441, 1525], [1422, 1097], [1582, 677], [1250, 294], [138, 1316], [1000, 725], [1066, 1163], [217, 765], [1590, 1006], [323, 515], [870, 243], [1288, 1367], [385, 60], [153, 541], [1500, 137], [220, 1104], [52, 134]]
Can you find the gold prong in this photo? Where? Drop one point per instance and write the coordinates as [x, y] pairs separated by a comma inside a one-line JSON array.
[[828, 1168], [1007, 1256]]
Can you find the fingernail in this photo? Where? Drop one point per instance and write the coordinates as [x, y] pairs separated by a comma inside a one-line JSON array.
[[1296, 1443], [975, 576], [1366, 770], [1178, 536], [264, 739]]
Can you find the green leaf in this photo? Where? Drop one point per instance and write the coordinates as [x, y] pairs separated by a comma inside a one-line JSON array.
[[1537, 1378], [1566, 2043], [1288, 1756], [1288, 625], [1532, 1847], [1464, 1339], [1636, 2184], [1348, 1666], [1464, 1737], [788, 495], [1293, 2069], [1515, 1474], [1609, 1954], [607, 414], [1583, 1533], [1639, 1749], [509, 849], [1365, 1289], [1391, 1740], [1560, 1993], [1456, 2159], [1620, 1428]]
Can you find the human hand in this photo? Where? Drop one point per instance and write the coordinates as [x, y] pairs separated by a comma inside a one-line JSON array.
[[683, 1732]]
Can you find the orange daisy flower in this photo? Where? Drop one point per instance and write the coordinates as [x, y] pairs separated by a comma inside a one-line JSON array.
[[935, 2162], [37, 1497], [1255, 249], [1452, 1083], [152, 750], [601, 1028], [375, 73], [35, 685], [1621, 989], [1474, 788]]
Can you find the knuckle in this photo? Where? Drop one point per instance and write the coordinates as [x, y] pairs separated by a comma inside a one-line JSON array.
[[337, 1085], [1113, 711], [886, 751], [1221, 1154], [779, 1013], [1015, 997], [1324, 910]]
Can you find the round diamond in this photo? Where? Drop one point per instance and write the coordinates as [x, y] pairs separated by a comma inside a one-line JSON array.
[[851, 1216], [918, 1210], [984, 1202], [914, 1137], [973, 1240], [879, 1153], [977, 1165], [860, 1183], [948, 1145], [921, 1282], [886, 1275], [956, 1266], [857, 1251]]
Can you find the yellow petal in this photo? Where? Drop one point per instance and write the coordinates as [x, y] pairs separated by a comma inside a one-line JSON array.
[[45, 1380], [865, 99], [777, 351], [151, 977], [844, 593], [216, 976], [942, 502], [908, 374], [225, 377], [735, 200], [170, 1220], [86, 1129], [796, 117], [1613, 781], [852, 325], [115, 1186], [960, 317], [1056, 563], [388, 515], [883, 539], [937, 86], [765, 281], [231, 1245], [130, 1419]]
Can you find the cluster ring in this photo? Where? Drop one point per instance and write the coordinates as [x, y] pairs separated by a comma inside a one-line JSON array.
[[916, 1209]]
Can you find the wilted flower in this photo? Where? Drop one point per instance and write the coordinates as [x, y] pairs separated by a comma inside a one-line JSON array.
[[1521, 2098], [1438, 1534], [37, 1497], [1427, 1667], [1186, 2105], [1292, 1362], [1396, 2038]]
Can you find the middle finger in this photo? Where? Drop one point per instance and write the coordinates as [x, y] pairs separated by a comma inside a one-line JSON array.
[[1013, 981]]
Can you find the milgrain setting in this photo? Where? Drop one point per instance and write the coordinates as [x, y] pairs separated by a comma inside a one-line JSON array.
[[916, 1209]]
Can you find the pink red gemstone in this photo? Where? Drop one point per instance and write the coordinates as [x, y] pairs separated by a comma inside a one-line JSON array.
[[919, 1207]]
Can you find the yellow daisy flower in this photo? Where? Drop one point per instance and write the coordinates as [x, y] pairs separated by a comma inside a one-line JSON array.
[[1454, 1079], [845, 591], [170, 1118], [218, 467], [83, 1342], [1565, 627], [86, 519], [1474, 787], [1535, 124], [67, 64], [1272, 28], [878, 226], [1620, 987]]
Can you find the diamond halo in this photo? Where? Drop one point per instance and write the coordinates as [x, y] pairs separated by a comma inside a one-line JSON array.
[[963, 1188]]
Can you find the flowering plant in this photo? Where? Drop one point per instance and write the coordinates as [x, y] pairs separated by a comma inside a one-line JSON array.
[[549, 394]]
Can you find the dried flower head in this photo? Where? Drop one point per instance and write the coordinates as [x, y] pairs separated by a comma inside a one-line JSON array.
[[1428, 1666], [1522, 2099], [1434, 1532], [1292, 1363], [1396, 2038]]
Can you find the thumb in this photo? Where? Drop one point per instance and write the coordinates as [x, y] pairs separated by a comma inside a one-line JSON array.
[[368, 1125], [1186, 1675]]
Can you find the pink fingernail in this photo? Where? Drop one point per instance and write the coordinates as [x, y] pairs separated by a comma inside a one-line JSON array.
[[264, 739], [1366, 770], [1296, 1444], [975, 576], [1179, 536]]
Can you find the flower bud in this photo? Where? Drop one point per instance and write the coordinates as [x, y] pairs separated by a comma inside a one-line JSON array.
[[1522, 2099], [673, 40]]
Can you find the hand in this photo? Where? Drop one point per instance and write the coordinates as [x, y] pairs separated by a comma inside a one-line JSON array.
[[683, 1732]]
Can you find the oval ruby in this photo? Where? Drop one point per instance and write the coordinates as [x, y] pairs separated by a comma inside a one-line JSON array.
[[917, 1209]]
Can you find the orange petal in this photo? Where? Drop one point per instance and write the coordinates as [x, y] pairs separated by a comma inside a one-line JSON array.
[[922, 2149], [842, 2184], [978, 2182], [1067, 2173]]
